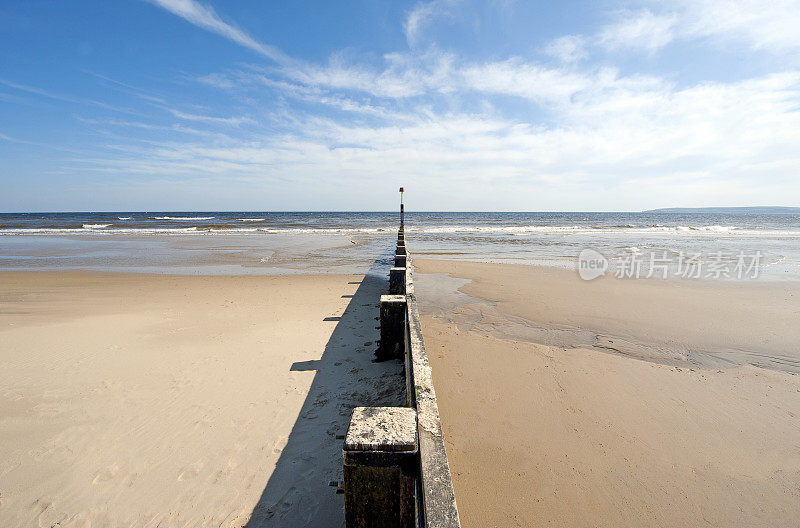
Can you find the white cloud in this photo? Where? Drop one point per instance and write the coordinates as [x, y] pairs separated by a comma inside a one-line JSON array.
[[569, 48], [217, 80], [523, 79], [129, 89], [772, 25], [760, 25], [434, 74], [404, 75], [633, 136], [422, 14], [65, 98], [639, 30], [205, 17], [228, 121]]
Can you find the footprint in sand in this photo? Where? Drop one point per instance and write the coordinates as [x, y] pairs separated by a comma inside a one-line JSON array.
[[42, 505], [310, 414], [334, 429], [281, 506], [190, 472], [224, 474], [221, 476], [107, 474]]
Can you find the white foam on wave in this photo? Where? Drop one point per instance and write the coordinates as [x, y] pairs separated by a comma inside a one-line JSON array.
[[713, 228], [682, 231], [183, 218], [491, 229], [251, 219], [124, 217], [627, 228], [98, 229]]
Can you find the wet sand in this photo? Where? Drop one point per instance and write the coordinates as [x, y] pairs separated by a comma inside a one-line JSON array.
[[145, 400], [614, 403]]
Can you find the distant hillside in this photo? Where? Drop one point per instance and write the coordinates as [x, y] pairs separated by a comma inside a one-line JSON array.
[[728, 210]]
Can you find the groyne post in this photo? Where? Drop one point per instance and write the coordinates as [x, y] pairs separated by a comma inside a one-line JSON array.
[[397, 281], [402, 220], [393, 326], [401, 248], [400, 261], [380, 468]]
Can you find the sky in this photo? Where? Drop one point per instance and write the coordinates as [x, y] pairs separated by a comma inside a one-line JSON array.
[[179, 105]]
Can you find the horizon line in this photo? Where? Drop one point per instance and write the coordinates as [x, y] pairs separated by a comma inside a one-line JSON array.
[[397, 211]]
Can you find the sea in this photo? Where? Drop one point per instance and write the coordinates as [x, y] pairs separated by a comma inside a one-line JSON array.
[[662, 244]]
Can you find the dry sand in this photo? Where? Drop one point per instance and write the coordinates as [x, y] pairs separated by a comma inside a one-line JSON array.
[[138, 400], [545, 427]]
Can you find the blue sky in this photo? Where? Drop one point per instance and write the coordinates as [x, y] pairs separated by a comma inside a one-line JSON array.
[[471, 105]]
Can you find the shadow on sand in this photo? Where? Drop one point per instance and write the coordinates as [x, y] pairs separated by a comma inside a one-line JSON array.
[[297, 493]]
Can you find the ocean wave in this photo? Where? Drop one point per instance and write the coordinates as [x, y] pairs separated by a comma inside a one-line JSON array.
[[489, 229], [434, 231], [626, 228], [199, 230], [95, 231], [251, 219], [183, 218], [716, 228]]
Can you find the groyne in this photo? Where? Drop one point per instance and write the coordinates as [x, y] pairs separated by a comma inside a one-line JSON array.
[[396, 472]]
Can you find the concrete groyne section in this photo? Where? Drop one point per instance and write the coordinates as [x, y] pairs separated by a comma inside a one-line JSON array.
[[396, 472]]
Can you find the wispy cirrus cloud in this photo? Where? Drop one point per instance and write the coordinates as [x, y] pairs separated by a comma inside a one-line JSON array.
[[128, 88], [422, 14], [639, 30], [217, 80], [227, 121], [404, 75], [771, 26], [569, 48], [205, 17], [606, 133], [767, 26], [33, 90]]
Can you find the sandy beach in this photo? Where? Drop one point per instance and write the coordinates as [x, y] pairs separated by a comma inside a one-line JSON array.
[[614, 403], [146, 400]]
